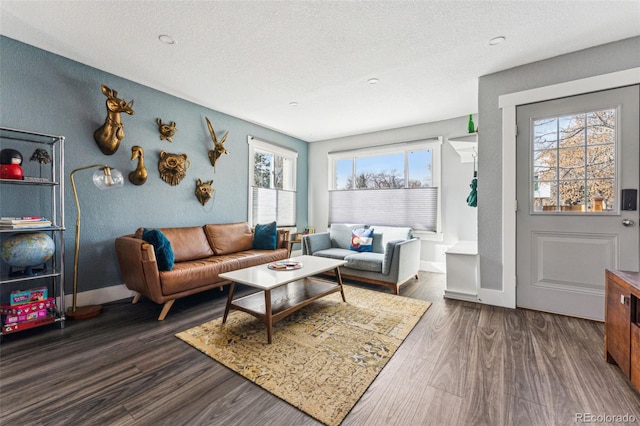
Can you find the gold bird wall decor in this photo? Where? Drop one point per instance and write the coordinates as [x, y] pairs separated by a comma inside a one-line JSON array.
[[218, 145], [139, 175], [108, 136], [166, 130], [173, 167]]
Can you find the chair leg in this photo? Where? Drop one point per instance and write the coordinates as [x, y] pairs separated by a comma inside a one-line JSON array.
[[136, 298], [165, 309]]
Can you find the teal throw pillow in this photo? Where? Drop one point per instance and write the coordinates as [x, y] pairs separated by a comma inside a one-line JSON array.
[[362, 239], [161, 247], [265, 236]]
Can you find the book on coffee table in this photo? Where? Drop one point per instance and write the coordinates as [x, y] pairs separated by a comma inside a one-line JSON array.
[[285, 265]]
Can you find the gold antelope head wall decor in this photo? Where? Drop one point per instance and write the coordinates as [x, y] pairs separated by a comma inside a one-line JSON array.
[[204, 191], [173, 167], [108, 136], [166, 130], [218, 145]]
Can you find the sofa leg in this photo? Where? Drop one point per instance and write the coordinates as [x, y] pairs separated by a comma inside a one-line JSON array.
[[165, 309], [136, 298], [417, 277], [396, 289]]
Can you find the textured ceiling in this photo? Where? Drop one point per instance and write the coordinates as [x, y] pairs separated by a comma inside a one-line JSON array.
[[251, 59]]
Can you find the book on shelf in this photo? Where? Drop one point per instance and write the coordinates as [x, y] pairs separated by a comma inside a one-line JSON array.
[[27, 224], [19, 219], [10, 328], [24, 222]]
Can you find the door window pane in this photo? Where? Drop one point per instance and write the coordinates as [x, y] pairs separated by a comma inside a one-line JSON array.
[[574, 162]]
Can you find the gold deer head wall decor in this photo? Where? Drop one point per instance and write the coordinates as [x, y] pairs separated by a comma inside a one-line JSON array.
[[173, 167], [108, 136], [218, 145], [204, 191], [166, 130], [139, 175]]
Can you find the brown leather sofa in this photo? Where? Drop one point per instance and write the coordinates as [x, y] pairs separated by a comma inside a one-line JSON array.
[[200, 252]]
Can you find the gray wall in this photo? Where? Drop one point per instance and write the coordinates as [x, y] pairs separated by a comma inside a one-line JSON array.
[[459, 221], [603, 59], [44, 92]]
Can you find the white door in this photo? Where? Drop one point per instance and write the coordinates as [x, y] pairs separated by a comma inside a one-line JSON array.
[[574, 157]]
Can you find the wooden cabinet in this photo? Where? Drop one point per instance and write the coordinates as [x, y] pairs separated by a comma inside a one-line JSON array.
[[622, 323]]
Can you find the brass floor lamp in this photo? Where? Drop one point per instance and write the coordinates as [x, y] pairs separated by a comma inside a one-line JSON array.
[[104, 178]]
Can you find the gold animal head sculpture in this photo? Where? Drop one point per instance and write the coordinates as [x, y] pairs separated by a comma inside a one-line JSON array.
[[173, 167], [204, 191], [166, 130], [218, 146], [139, 175], [108, 136]]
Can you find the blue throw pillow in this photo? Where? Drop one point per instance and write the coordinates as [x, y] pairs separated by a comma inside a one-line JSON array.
[[265, 236], [362, 239], [161, 247]]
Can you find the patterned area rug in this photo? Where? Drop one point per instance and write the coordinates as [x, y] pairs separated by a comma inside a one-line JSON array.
[[323, 357]]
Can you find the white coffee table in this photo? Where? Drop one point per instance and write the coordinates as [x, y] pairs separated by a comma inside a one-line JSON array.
[[282, 292]]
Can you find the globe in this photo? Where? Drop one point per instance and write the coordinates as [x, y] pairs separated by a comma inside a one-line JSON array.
[[27, 250]]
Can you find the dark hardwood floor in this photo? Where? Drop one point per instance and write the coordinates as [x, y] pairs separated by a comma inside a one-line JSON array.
[[463, 364]]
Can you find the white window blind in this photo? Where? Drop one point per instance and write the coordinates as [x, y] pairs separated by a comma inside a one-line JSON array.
[[273, 205], [414, 207]]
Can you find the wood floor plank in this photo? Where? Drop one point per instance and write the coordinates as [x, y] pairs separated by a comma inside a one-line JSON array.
[[463, 364]]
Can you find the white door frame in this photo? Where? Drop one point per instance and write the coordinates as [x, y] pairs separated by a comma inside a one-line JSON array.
[[508, 104]]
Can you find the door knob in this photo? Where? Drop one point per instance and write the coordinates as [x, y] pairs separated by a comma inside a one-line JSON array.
[[628, 222]]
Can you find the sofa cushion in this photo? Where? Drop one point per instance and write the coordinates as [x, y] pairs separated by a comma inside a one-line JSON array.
[[187, 243], [340, 234], [362, 239], [229, 237], [264, 236], [390, 233], [333, 253], [161, 248], [365, 261]]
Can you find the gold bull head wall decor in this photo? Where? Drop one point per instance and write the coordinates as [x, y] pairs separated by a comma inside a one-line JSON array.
[[108, 136], [218, 145], [173, 167], [204, 191]]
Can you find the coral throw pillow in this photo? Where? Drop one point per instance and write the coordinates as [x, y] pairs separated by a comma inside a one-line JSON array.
[[362, 239]]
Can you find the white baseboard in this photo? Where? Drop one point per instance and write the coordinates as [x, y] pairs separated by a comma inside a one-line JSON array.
[[496, 298], [429, 266], [460, 295], [99, 296]]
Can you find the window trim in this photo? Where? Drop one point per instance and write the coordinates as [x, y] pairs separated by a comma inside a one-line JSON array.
[[264, 146], [434, 144]]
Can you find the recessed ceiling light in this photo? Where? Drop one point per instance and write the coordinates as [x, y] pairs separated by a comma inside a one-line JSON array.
[[166, 39], [496, 40], [373, 81], [293, 104]]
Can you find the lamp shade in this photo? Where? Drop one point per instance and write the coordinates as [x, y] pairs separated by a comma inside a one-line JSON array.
[[107, 177]]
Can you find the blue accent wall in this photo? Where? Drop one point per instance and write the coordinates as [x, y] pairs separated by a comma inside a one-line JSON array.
[[44, 92]]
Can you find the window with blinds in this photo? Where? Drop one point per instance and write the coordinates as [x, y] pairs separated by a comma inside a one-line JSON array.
[[395, 185], [272, 179]]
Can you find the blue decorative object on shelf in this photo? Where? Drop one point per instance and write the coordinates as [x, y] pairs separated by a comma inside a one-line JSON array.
[[27, 250]]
